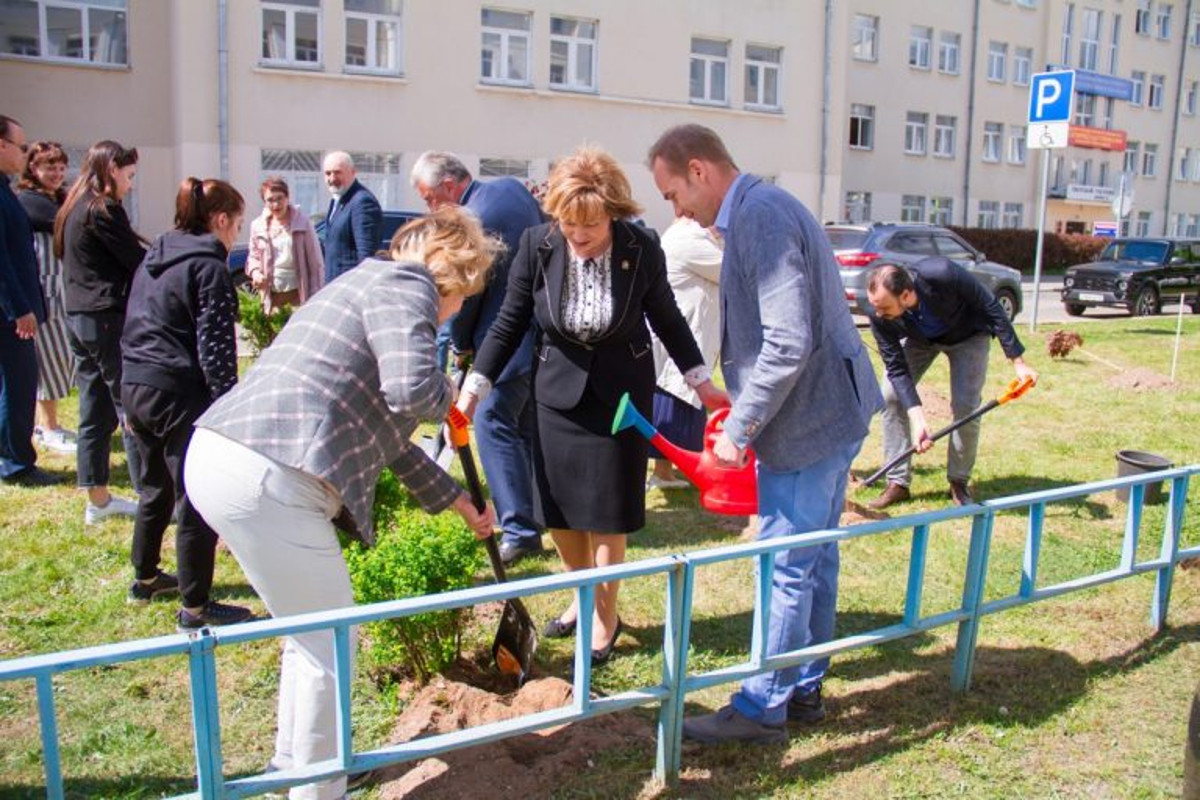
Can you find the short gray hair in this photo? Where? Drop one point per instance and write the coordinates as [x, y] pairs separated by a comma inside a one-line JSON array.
[[434, 166], [340, 157]]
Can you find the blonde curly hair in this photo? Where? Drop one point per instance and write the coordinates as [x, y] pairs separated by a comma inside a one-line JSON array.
[[587, 186], [452, 245]]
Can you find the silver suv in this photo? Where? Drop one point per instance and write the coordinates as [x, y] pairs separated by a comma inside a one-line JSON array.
[[860, 247]]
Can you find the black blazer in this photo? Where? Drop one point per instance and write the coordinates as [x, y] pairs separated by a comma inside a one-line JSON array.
[[619, 361]]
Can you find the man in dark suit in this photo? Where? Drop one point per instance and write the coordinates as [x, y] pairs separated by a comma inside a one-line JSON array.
[[934, 306], [22, 309], [504, 421], [354, 219]]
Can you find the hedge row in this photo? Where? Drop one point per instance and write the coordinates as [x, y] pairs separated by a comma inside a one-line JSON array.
[[1018, 247]]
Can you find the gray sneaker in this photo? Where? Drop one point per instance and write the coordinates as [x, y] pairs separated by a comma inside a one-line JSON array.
[[807, 708], [730, 725], [213, 613]]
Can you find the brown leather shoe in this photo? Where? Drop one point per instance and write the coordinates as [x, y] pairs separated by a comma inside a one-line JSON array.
[[960, 494], [894, 493]]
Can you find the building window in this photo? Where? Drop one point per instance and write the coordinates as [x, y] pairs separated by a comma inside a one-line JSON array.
[[1142, 225], [949, 53], [993, 134], [709, 71], [916, 133], [1016, 144], [920, 47], [865, 38], [1085, 110], [1014, 215], [1114, 45], [1141, 20], [1084, 172], [1150, 160], [1163, 21], [302, 171], [912, 208], [573, 54], [1193, 228], [941, 210], [1193, 36], [1132, 153], [1027, 3], [1158, 84], [862, 126], [1182, 162], [1189, 100], [1178, 225], [1089, 39], [762, 76], [989, 213], [1068, 32], [1103, 179], [858, 207], [1022, 65], [373, 35], [943, 135], [997, 61], [1106, 120], [1139, 87], [504, 51], [503, 168], [291, 33], [93, 32]]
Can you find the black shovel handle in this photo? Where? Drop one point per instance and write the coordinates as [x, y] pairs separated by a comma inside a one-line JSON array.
[[458, 426], [979, 412]]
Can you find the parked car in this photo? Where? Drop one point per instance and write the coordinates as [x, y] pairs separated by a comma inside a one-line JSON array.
[[1139, 274], [392, 220], [860, 247]]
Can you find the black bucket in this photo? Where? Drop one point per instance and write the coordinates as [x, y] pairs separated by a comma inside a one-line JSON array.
[[1135, 462]]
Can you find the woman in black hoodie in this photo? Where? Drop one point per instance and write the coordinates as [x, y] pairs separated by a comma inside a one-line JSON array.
[[179, 354]]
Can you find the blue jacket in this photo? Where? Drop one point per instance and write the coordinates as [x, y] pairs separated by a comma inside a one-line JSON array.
[[20, 290], [352, 233], [506, 209], [960, 301], [796, 368]]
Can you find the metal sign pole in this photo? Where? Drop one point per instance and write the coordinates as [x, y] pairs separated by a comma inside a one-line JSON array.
[[1041, 232]]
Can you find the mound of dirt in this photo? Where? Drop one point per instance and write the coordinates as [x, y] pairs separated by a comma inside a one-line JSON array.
[[1140, 380], [525, 766]]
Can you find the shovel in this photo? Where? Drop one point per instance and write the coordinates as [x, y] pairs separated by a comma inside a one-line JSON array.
[[1015, 389], [516, 640]]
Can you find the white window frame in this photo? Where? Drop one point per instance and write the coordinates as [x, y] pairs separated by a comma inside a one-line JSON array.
[[1017, 146], [1141, 19], [1162, 21], [949, 53], [86, 34], [1138, 78], [912, 208], [1183, 158], [1158, 90], [1133, 154], [575, 43], [291, 10], [1012, 215], [709, 63], [507, 37], [1089, 38], [1022, 65], [989, 214], [760, 68], [864, 37], [941, 210], [916, 133], [1103, 178], [1193, 36], [1085, 110], [1193, 228], [1068, 32], [373, 22], [504, 168], [857, 206], [1114, 45], [1190, 98], [865, 129], [1142, 223], [993, 142], [920, 47], [997, 66], [945, 134], [1150, 161]]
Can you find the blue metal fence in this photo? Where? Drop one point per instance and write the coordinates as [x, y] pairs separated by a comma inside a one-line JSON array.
[[679, 572]]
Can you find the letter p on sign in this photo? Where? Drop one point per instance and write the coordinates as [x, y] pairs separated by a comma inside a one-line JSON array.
[[1051, 96]]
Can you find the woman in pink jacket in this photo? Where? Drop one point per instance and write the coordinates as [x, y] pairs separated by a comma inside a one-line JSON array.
[[284, 263]]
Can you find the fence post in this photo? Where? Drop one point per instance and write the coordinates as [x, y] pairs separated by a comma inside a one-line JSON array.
[[1172, 529], [973, 586], [49, 722], [1033, 549], [202, 667], [1133, 525], [344, 658], [676, 631], [764, 573], [916, 575]]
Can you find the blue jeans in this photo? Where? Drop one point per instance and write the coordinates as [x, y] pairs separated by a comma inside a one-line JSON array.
[[804, 583], [18, 391], [968, 372], [504, 433]]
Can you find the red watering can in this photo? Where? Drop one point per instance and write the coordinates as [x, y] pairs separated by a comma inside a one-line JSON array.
[[723, 490]]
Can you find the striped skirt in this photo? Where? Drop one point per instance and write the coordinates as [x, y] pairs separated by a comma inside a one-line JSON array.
[[56, 364]]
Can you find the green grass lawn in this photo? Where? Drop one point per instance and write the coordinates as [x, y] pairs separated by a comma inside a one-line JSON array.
[[1072, 697]]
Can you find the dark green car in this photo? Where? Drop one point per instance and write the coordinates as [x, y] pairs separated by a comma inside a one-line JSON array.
[[1141, 275]]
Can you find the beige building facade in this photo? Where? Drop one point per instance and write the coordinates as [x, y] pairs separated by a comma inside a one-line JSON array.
[[864, 109]]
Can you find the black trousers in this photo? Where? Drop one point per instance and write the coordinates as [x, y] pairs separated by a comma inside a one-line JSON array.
[[161, 425]]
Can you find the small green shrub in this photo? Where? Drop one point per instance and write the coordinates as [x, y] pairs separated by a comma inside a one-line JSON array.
[[415, 554], [259, 328]]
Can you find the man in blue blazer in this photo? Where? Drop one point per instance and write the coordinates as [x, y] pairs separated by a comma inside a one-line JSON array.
[[803, 394], [353, 221], [504, 420], [22, 309]]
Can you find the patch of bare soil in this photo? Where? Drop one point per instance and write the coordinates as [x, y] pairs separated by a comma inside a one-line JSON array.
[[1140, 380], [525, 766]]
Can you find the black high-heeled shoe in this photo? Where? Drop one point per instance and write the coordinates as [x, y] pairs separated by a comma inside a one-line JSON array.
[[557, 629], [605, 654]]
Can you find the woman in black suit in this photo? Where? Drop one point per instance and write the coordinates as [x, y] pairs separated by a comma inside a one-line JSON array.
[[591, 281]]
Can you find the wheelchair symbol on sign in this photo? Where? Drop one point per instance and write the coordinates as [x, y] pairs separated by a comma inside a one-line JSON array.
[[1047, 138]]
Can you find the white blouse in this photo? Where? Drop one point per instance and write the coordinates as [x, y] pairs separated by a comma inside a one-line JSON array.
[[587, 306]]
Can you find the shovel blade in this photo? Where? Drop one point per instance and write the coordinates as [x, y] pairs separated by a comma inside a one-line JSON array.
[[516, 642]]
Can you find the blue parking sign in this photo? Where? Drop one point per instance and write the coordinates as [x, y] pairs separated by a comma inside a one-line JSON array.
[[1051, 96]]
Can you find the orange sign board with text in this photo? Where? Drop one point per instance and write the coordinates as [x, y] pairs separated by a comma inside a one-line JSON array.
[[1096, 138]]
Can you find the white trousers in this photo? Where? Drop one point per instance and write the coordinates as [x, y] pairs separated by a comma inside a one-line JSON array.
[[276, 521]]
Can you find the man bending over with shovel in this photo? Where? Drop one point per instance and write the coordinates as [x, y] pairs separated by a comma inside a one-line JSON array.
[[934, 306]]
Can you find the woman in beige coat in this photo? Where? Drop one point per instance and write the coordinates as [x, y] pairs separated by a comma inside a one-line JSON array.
[[284, 263]]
